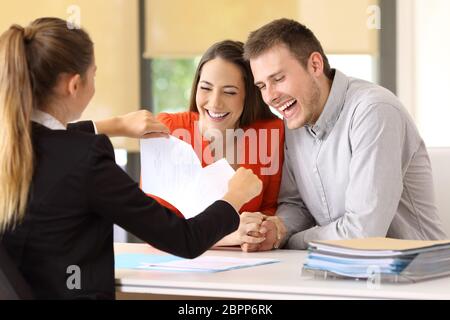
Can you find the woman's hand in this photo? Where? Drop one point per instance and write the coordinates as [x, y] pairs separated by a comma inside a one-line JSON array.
[[139, 124], [250, 222], [273, 230], [242, 188]]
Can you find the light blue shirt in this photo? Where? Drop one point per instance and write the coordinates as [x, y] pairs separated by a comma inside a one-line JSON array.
[[361, 171]]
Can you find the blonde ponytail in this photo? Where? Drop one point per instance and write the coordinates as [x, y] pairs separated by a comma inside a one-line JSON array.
[[16, 104], [31, 61]]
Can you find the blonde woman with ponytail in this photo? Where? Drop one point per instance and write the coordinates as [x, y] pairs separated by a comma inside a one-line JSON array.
[[60, 189], [16, 160]]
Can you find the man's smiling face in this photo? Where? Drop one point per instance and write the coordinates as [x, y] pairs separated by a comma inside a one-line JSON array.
[[287, 86]]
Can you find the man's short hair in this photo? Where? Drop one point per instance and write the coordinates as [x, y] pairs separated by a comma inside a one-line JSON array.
[[300, 41]]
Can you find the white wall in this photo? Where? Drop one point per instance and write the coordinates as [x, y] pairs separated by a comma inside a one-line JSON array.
[[423, 55], [423, 82]]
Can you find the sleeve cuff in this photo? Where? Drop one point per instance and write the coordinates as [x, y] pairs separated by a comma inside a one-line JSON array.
[[95, 127], [297, 241]]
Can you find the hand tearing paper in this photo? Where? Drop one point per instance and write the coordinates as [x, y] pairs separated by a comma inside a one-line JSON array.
[[171, 170]]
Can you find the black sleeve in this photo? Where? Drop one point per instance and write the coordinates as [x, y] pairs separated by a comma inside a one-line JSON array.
[[81, 126], [116, 197]]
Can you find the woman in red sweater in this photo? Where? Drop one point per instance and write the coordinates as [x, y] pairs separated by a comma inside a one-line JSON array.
[[227, 118]]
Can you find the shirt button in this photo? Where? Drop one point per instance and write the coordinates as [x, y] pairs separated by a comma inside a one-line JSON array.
[[315, 170]]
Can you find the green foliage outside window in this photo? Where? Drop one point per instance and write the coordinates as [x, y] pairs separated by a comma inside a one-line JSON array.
[[171, 84]]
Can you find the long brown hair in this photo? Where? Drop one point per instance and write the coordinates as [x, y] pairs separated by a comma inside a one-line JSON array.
[[31, 60], [232, 51]]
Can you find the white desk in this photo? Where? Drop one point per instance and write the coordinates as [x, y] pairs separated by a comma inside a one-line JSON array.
[[281, 280]]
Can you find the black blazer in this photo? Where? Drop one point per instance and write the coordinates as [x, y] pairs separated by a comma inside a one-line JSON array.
[[77, 194]]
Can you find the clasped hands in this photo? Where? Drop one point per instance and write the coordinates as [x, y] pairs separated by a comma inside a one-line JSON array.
[[258, 232]]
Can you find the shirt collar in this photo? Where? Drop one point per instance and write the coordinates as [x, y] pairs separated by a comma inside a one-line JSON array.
[[47, 120], [332, 108]]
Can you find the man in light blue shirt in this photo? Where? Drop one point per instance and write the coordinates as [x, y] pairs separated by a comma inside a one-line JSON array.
[[355, 164]]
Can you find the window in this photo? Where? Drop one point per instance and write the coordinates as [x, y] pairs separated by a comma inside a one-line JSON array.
[[171, 84], [360, 66], [172, 78], [423, 66]]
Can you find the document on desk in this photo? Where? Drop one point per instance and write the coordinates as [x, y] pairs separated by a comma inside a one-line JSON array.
[[173, 263], [172, 171]]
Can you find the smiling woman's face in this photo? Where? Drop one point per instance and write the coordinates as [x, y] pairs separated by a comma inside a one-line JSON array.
[[220, 95]]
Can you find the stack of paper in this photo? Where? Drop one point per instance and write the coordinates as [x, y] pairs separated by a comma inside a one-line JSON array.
[[172, 171], [392, 258]]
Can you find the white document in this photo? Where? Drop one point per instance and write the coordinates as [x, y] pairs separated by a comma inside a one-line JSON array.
[[206, 264], [172, 171]]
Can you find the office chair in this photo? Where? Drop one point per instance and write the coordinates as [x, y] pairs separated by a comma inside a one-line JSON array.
[[12, 284]]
